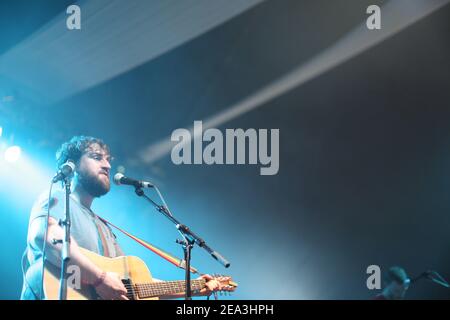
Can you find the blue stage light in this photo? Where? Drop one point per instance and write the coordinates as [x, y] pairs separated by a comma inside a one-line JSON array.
[[12, 154]]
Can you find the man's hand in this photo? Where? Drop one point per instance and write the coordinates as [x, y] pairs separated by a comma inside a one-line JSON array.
[[212, 284], [112, 288]]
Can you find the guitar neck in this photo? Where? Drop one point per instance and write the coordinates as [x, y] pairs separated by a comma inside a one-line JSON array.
[[158, 289]]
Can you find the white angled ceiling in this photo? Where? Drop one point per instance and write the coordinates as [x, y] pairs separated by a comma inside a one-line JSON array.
[[115, 37]]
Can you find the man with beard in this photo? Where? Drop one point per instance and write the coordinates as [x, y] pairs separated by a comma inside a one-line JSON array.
[[91, 180]]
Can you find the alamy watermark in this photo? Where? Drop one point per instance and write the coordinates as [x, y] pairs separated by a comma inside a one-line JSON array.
[[236, 146], [73, 21], [74, 277], [374, 280], [373, 22]]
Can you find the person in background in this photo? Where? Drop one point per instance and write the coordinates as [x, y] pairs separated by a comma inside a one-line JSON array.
[[397, 283]]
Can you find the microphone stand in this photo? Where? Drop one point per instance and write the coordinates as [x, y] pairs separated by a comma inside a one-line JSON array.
[[65, 251], [437, 278], [189, 239], [187, 245], [432, 276]]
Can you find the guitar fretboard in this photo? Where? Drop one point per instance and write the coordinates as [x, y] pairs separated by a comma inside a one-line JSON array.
[[157, 289]]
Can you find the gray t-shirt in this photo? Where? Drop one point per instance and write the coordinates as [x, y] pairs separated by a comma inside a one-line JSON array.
[[86, 228]]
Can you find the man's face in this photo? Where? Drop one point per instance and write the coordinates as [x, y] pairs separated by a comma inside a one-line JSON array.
[[93, 170]]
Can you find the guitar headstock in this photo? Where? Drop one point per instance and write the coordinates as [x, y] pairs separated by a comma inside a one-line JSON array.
[[226, 283]]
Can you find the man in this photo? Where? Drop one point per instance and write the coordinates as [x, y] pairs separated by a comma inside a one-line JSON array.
[[91, 180], [397, 283]]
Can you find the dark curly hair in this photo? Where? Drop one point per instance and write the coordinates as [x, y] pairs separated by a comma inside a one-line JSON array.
[[76, 147]]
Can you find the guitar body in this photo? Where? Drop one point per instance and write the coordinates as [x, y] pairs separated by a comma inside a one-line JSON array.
[[129, 268]]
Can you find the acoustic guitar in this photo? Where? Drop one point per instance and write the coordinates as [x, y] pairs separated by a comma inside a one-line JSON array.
[[134, 274]]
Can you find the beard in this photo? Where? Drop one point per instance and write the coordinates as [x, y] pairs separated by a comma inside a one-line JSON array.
[[93, 185]]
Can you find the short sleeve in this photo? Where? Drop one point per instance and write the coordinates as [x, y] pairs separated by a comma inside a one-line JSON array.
[[57, 208]]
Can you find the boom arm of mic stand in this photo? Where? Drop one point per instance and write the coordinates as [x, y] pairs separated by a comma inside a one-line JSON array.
[[437, 278], [432, 276], [201, 243], [185, 230]]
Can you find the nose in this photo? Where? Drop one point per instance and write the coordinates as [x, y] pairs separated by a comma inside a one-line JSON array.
[[106, 165]]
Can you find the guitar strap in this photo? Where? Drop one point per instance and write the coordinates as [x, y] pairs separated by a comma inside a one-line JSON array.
[[103, 240], [174, 260]]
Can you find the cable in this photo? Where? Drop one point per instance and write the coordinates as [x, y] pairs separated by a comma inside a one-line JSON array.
[[41, 294], [163, 201], [45, 240], [25, 275]]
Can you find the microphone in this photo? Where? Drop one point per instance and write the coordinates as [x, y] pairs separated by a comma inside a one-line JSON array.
[[65, 171], [121, 179]]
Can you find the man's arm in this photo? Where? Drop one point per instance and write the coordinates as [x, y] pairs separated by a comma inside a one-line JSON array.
[[108, 284]]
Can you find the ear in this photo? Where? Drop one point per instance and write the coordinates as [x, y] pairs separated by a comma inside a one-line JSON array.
[[77, 166]]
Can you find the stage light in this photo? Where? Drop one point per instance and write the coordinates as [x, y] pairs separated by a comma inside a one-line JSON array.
[[12, 154], [1, 131]]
